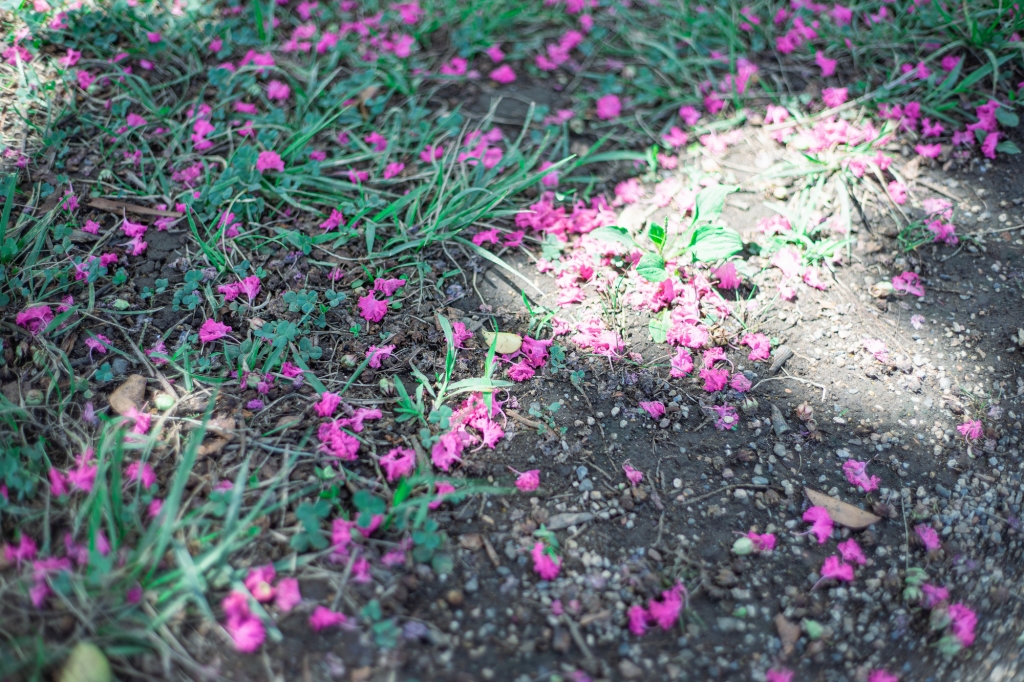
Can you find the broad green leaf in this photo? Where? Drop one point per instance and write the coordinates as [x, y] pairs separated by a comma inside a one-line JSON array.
[[1007, 147], [711, 200], [658, 327], [715, 242], [614, 234], [652, 268], [656, 233], [1007, 118]]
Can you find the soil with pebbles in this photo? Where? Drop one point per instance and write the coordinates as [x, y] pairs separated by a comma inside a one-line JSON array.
[[491, 618]]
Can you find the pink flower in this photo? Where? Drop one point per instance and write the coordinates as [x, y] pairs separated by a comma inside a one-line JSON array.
[[933, 595], [929, 129], [963, 621], [278, 91], [153, 37], [91, 226], [949, 62], [35, 318], [336, 442], [988, 147], [398, 462], [833, 568], [393, 169], [388, 286], [637, 619], [689, 114], [287, 594], [99, 343], [527, 480], [322, 617], [857, 476], [85, 79], [521, 371], [834, 97], [247, 634], [821, 523], [141, 472], [970, 429], [58, 482], [851, 552], [333, 221], [760, 346], [371, 309], [763, 542], [269, 160], [930, 151], [83, 476], [632, 475], [740, 383], [328, 404], [139, 419], [457, 66], [727, 277], [503, 74], [898, 192], [442, 490], [25, 551], [447, 451], [495, 53], [258, 582], [377, 354], [882, 676], [908, 283], [727, 417], [779, 675], [544, 564], [828, 66], [213, 330], [608, 107], [928, 536], [682, 363], [877, 349], [655, 409], [714, 379], [675, 137], [666, 612]]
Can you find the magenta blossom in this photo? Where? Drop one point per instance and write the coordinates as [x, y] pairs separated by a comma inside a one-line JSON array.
[[322, 617], [682, 363], [35, 318], [963, 621], [835, 569], [527, 481], [970, 429], [856, 474], [287, 594], [372, 310], [908, 283], [760, 346], [398, 462], [928, 536], [545, 564], [379, 353], [763, 542], [503, 74], [882, 676], [141, 472], [213, 330], [653, 408], [269, 160], [714, 379], [666, 612], [821, 523], [328, 404], [634, 476], [933, 596], [728, 419], [851, 552], [638, 617], [608, 107]]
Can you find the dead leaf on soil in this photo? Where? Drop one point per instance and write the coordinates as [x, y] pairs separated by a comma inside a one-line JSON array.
[[789, 634], [507, 343], [842, 513], [119, 206], [471, 541], [212, 447], [129, 395]]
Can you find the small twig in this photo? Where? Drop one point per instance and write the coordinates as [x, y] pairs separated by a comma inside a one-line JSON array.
[[575, 632], [750, 486], [523, 420], [803, 381]]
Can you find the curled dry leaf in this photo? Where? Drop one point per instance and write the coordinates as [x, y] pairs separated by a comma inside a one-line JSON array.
[[842, 513], [507, 343], [789, 634], [472, 541], [129, 395]]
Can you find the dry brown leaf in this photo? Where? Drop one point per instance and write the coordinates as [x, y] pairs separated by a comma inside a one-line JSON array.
[[507, 343], [471, 541], [212, 447], [789, 634], [119, 206], [222, 427], [842, 513], [129, 395]]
